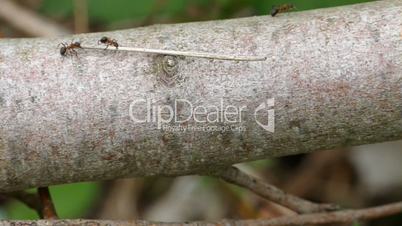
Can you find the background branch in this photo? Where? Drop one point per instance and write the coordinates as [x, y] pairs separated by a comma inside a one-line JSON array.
[[81, 21], [31, 200], [48, 210], [344, 216], [29, 22], [335, 74], [272, 193]]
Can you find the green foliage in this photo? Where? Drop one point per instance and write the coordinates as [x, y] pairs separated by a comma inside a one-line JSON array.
[[108, 12], [119, 10], [71, 201], [58, 9]]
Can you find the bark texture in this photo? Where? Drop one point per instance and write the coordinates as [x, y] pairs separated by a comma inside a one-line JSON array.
[[335, 75]]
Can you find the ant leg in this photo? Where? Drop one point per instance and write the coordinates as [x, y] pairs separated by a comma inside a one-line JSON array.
[[74, 52], [62, 44], [115, 43], [107, 45]]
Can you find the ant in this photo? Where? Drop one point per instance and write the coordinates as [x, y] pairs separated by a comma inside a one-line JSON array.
[[109, 42], [281, 9], [69, 49]]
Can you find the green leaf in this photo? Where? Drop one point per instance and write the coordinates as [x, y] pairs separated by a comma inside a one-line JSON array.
[[71, 201]]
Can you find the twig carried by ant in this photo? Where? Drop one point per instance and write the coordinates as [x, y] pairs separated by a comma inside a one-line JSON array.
[[69, 49], [184, 53]]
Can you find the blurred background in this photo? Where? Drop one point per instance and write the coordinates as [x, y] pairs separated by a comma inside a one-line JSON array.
[[358, 177], [80, 16]]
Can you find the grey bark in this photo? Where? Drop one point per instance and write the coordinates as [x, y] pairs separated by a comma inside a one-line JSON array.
[[335, 74]]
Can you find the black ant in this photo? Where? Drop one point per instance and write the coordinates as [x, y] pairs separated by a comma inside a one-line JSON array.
[[69, 49], [109, 42], [281, 9]]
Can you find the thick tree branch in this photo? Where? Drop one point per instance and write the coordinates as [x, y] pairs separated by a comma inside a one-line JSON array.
[[344, 216], [335, 75]]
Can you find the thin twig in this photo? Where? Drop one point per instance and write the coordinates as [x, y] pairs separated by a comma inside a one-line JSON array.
[[28, 21], [182, 53], [343, 216], [48, 211], [272, 193]]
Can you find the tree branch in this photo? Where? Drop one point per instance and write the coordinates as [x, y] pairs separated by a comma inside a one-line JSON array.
[[335, 76], [272, 193], [41, 202], [344, 216], [30, 200], [48, 211]]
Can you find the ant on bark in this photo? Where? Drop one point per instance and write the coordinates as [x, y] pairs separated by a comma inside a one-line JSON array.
[[69, 49], [281, 9], [109, 42]]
